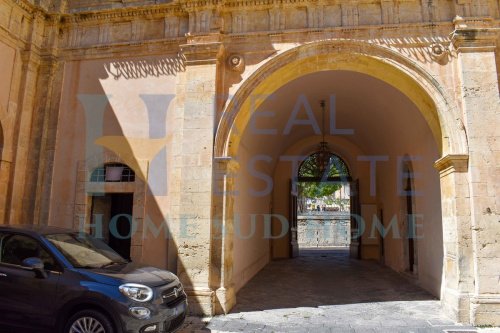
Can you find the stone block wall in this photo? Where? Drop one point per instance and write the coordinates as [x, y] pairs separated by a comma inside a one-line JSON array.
[[324, 229]]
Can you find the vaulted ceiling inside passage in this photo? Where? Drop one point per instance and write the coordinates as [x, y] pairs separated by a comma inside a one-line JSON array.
[[383, 120]]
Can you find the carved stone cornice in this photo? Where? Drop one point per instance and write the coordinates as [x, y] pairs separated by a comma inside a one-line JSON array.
[[193, 5], [452, 163], [474, 35], [236, 4], [34, 11], [123, 13], [27, 6], [202, 52]]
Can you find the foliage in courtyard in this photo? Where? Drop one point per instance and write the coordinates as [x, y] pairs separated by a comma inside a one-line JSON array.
[[314, 190]]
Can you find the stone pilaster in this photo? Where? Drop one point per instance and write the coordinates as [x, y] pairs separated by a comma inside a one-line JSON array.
[[5, 166], [350, 13], [223, 233], [475, 43], [48, 142], [19, 200], [193, 167], [457, 261]]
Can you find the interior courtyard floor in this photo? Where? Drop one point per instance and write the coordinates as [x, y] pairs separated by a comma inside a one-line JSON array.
[[326, 291]]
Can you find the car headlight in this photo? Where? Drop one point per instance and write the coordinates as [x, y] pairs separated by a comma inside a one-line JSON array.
[[136, 292]]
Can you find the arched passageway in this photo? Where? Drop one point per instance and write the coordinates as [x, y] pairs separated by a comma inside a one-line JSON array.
[[383, 113], [376, 130], [378, 123]]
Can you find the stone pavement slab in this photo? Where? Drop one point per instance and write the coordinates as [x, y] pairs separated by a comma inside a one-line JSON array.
[[332, 293]]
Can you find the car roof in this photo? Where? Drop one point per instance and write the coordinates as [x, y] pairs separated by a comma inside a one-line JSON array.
[[35, 229]]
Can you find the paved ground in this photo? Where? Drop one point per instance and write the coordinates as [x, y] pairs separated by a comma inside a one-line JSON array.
[[325, 291]]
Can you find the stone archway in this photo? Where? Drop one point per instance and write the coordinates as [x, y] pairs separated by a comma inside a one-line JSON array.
[[416, 83], [438, 110]]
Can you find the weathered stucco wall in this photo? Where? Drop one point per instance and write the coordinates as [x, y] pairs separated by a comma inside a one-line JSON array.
[[133, 123], [7, 54], [251, 246]]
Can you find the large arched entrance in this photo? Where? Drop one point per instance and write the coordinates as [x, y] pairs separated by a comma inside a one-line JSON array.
[[379, 119], [321, 203], [385, 129]]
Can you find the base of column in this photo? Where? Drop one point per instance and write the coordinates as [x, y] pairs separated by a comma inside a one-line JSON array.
[[456, 305], [225, 300], [200, 301], [485, 310]]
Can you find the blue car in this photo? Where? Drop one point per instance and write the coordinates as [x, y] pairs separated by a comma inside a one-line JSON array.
[[60, 280]]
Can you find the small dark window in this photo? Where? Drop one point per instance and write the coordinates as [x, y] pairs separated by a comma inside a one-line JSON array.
[[113, 172], [17, 248]]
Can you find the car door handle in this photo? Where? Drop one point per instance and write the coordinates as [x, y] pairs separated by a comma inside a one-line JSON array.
[[3, 275]]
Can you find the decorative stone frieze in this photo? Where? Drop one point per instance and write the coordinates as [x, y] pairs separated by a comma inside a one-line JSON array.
[[164, 21]]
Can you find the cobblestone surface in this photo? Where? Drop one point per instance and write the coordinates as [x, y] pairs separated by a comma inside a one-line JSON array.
[[325, 291]]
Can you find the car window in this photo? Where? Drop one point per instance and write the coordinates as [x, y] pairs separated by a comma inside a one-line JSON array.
[[16, 248], [83, 250]]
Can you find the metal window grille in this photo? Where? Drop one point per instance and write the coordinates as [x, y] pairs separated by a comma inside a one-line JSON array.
[[106, 173], [312, 166]]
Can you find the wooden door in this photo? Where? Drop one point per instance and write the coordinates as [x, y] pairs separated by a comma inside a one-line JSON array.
[[356, 223], [292, 220]]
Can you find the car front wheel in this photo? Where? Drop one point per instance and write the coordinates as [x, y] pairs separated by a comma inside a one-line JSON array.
[[88, 321]]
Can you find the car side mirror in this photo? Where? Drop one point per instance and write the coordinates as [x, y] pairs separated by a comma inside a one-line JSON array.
[[36, 265]]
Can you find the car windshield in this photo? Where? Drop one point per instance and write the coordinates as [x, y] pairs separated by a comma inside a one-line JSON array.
[[85, 251]]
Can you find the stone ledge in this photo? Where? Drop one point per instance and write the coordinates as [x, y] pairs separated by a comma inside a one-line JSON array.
[[452, 163], [203, 53]]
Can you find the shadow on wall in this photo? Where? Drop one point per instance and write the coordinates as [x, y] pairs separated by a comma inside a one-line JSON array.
[[144, 68], [99, 117]]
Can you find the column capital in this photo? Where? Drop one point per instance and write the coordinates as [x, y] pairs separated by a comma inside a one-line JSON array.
[[202, 52], [474, 35], [226, 164], [452, 163]]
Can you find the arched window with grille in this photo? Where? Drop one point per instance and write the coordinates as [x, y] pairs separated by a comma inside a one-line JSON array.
[[323, 165]]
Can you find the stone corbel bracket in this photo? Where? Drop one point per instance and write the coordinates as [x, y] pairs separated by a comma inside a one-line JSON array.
[[452, 163], [474, 35], [227, 165], [202, 53]]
